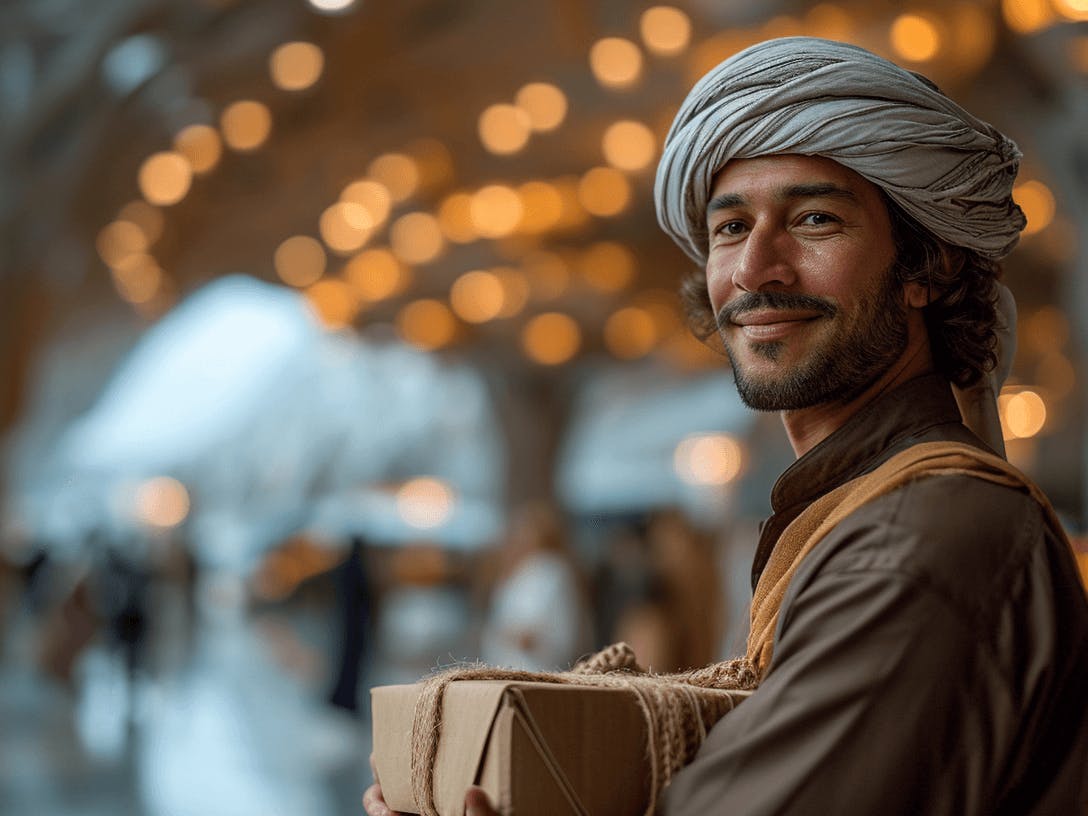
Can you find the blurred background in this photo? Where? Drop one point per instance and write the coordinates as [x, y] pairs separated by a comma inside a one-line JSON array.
[[338, 343]]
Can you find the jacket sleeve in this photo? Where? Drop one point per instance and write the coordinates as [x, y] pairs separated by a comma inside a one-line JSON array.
[[881, 698]]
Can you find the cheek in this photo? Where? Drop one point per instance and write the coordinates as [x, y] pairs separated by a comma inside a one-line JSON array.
[[719, 286]]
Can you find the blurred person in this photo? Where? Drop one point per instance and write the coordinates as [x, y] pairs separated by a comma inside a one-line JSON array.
[[537, 618], [919, 636]]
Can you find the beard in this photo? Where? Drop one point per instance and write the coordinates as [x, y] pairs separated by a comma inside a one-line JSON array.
[[836, 368]]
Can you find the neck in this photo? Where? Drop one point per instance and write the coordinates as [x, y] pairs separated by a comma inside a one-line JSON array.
[[807, 427]]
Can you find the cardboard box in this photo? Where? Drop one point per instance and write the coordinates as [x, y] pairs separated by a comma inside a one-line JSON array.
[[538, 749]]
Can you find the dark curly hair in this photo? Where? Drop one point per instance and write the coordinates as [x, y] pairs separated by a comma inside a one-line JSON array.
[[960, 318]]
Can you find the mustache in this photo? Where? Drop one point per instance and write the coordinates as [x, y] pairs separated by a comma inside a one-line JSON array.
[[779, 301]]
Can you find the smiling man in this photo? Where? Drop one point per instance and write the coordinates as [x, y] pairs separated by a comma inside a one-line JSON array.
[[919, 631]]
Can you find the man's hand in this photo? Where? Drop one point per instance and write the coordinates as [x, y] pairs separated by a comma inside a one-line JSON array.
[[476, 801]]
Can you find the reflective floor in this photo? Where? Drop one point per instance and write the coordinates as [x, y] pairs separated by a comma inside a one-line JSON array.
[[231, 720]]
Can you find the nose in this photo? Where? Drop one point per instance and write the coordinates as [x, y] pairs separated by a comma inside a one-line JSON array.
[[763, 259]]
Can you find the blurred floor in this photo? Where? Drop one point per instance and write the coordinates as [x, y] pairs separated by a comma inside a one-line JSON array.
[[232, 720]]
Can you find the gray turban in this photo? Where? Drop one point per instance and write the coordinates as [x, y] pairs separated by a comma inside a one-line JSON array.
[[951, 172]]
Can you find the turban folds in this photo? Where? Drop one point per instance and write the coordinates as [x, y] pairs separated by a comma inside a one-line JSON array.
[[949, 171]]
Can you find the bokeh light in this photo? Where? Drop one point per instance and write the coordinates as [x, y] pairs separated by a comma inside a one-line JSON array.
[[477, 296], [1044, 330], [541, 207], [1023, 414], [504, 129], [118, 240], [246, 125], [345, 226], [371, 195], [455, 218], [148, 218], [300, 261], [544, 104], [295, 66], [495, 210], [331, 6], [915, 38], [398, 173], [830, 22], [551, 338], [416, 238], [161, 502], [548, 274], [334, 302], [630, 333], [376, 274], [604, 191], [1072, 10], [201, 147], [138, 278], [1027, 16], [516, 290], [607, 266], [165, 177], [1038, 204], [629, 145], [427, 324], [425, 502], [615, 62], [665, 30], [711, 459]]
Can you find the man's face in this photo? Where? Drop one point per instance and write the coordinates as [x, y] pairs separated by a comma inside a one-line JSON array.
[[799, 275]]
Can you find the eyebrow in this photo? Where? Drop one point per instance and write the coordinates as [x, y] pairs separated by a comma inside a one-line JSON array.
[[824, 189]]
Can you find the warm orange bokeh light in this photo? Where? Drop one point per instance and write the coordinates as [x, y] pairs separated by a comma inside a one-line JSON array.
[[607, 266], [376, 274], [1038, 204], [1027, 16], [477, 296], [345, 226], [551, 338], [425, 502], [615, 62], [712, 459], [630, 333], [629, 145], [333, 302], [504, 129], [548, 273], [148, 218], [915, 38], [426, 324], [604, 191], [1023, 414], [118, 240], [416, 238], [830, 22], [295, 66], [541, 206], [544, 104], [398, 173], [300, 261], [371, 195], [455, 218], [515, 290], [138, 278], [495, 210], [162, 502], [201, 147], [665, 30], [165, 178], [246, 125]]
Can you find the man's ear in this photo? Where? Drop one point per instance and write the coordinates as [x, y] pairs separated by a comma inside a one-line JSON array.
[[916, 295]]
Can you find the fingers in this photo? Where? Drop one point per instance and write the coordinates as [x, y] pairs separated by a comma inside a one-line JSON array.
[[477, 803], [373, 802]]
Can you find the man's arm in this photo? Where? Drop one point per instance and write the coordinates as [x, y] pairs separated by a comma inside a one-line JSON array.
[[881, 698]]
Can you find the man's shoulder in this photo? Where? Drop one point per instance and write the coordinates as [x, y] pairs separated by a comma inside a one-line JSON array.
[[954, 533]]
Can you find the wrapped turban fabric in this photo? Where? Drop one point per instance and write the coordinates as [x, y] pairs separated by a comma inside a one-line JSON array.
[[949, 171]]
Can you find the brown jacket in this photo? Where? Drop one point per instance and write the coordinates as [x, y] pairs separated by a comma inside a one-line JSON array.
[[931, 655]]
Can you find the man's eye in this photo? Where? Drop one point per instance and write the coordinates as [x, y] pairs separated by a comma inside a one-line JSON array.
[[819, 219], [729, 228]]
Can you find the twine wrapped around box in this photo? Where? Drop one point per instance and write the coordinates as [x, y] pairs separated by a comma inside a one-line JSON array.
[[678, 709]]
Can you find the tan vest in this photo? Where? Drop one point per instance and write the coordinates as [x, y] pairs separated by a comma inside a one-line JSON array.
[[821, 517]]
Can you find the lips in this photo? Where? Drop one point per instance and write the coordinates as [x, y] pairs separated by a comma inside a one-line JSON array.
[[766, 325]]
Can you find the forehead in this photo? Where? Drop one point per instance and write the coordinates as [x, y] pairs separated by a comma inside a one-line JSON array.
[[771, 175]]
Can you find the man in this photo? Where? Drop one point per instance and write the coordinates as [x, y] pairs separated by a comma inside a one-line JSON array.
[[924, 634]]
